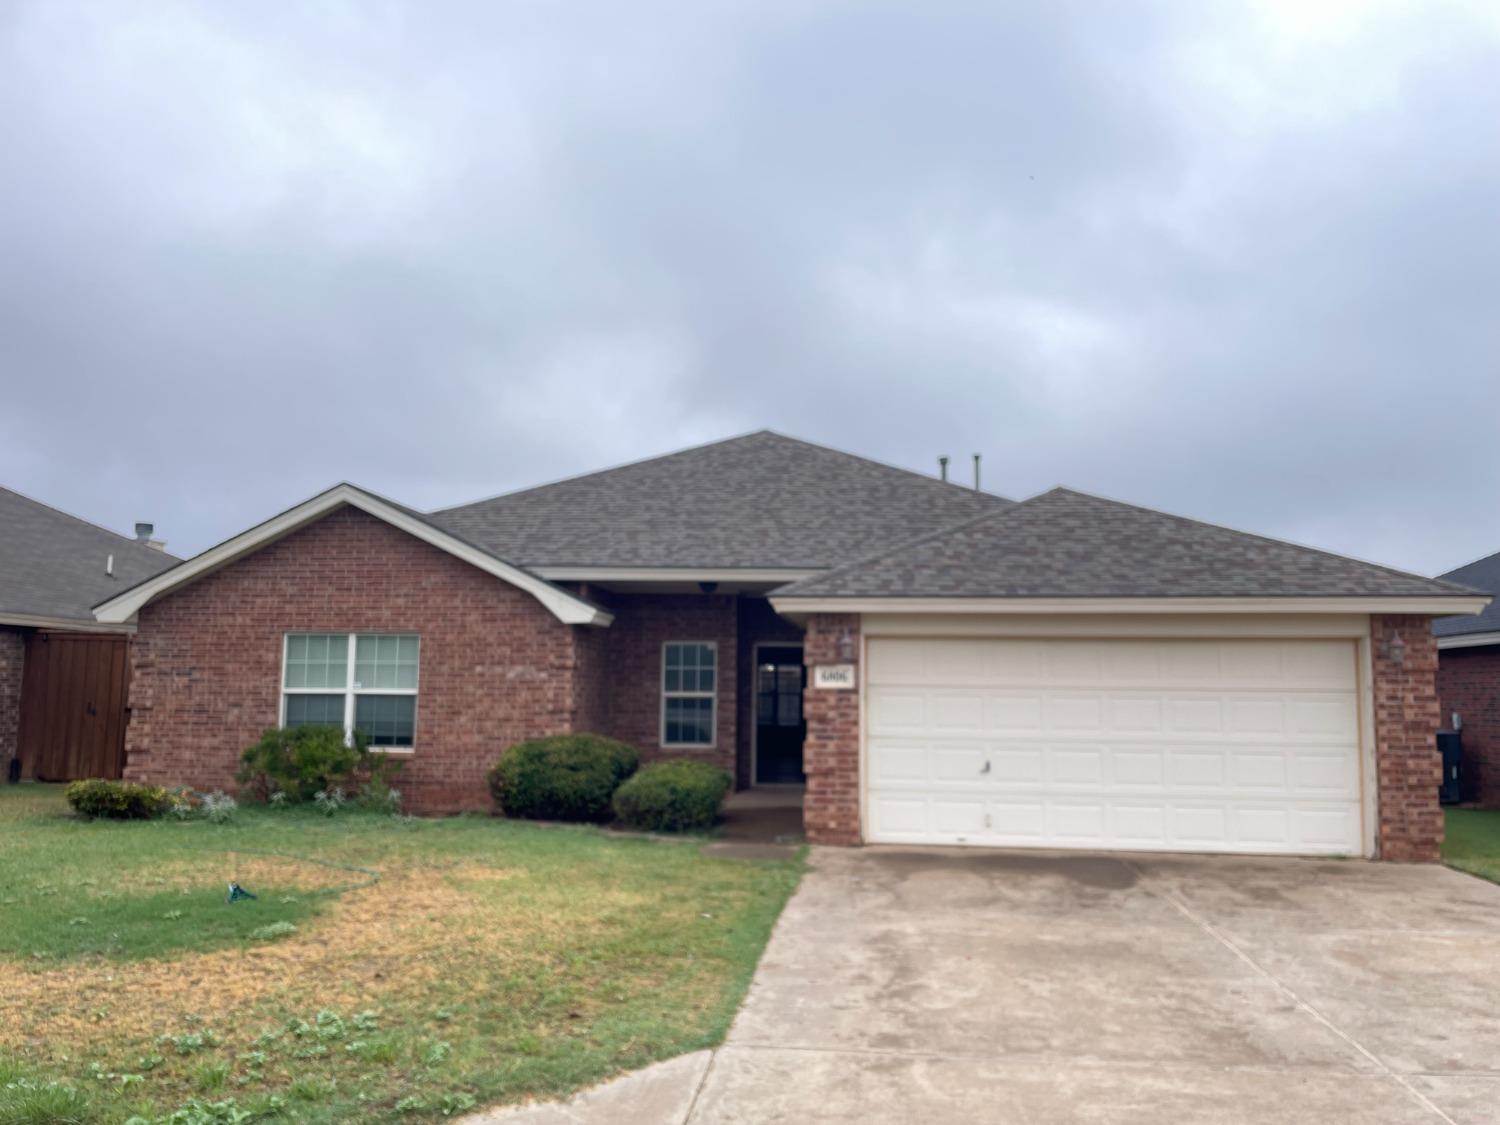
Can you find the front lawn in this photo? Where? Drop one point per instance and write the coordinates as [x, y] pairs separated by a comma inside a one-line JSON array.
[[1472, 842], [389, 969]]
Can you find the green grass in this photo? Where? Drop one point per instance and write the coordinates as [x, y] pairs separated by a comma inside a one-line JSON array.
[[413, 967], [1472, 842]]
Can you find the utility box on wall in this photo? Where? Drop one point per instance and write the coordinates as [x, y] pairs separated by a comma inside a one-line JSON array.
[[1450, 746]]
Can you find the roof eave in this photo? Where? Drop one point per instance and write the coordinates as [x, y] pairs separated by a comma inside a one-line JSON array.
[[567, 608], [1415, 604]]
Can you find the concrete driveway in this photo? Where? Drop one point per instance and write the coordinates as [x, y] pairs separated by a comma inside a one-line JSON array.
[[952, 985]]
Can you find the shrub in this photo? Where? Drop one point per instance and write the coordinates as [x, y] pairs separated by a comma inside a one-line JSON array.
[[219, 807], [677, 796], [304, 761], [118, 800], [565, 777]]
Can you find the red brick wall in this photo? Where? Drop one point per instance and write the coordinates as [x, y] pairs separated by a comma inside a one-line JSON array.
[[632, 668], [1469, 683], [830, 810], [758, 624], [1407, 717], [12, 655], [496, 667]]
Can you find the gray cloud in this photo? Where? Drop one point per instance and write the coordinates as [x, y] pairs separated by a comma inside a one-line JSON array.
[[1238, 262]]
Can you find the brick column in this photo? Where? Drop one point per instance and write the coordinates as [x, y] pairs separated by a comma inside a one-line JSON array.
[[1407, 764], [12, 657], [830, 753]]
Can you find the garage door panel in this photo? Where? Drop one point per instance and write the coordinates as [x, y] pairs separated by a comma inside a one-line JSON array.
[[1013, 713], [1069, 712], [1247, 746], [1079, 822], [897, 710], [1137, 767], [898, 764]]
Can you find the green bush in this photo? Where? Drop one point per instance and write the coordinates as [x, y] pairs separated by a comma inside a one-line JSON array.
[[676, 796], [118, 800], [304, 761], [565, 777]]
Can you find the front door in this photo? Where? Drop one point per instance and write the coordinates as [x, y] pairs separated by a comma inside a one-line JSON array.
[[779, 679]]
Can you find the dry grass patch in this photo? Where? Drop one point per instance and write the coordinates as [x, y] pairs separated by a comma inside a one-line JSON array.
[[490, 961]]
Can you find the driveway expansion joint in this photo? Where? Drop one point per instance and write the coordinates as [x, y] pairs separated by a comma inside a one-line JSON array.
[[1303, 1005]]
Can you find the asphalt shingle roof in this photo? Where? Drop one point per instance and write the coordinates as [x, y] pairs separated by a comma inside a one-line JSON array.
[[1065, 544], [53, 564], [762, 500], [1482, 575]]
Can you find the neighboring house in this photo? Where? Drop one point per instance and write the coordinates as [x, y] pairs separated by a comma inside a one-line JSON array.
[[943, 665], [62, 673], [1469, 681]]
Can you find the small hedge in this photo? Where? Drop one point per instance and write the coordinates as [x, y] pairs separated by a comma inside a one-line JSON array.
[[678, 796], [118, 800], [565, 777], [303, 761]]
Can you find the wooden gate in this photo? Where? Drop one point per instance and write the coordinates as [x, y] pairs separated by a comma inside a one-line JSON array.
[[73, 706]]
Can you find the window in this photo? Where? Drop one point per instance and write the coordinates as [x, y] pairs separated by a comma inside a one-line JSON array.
[[687, 693], [363, 681]]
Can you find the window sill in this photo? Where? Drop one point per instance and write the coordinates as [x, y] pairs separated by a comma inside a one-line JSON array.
[[688, 746], [393, 751]]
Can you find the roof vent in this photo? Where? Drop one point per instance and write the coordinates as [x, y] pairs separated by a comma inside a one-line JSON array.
[[143, 535], [943, 468]]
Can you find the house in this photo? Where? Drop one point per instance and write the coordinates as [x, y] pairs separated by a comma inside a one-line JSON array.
[[62, 673], [940, 665], [1469, 681]]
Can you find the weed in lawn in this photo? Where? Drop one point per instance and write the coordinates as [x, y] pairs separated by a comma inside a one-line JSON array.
[[210, 1077], [273, 931], [31, 1101]]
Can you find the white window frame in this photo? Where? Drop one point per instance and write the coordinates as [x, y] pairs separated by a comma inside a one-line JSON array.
[[712, 696], [349, 691]]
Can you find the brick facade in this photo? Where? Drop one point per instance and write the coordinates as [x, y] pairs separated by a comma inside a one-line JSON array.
[[496, 667], [631, 670], [1407, 765], [830, 755], [1469, 683], [12, 658]]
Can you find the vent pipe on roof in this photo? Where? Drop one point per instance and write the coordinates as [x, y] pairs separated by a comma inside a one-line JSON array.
[[109, 565], [943, 468], [976, 472]]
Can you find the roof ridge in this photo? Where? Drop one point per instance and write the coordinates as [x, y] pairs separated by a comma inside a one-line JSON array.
[[1321, 552], [80, 519], [764, 432], [906, 544], [598, 472]]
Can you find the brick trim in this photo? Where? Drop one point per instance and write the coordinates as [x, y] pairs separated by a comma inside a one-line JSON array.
[[1407, 765], [830, 753]]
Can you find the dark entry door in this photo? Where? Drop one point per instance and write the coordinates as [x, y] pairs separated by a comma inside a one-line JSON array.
[[779, 679], [73, 688]]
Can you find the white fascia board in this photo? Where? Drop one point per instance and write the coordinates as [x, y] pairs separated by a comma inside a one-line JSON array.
[[61, 624], [1436, 606], [562, 605], [670, 574], [1469, 640]]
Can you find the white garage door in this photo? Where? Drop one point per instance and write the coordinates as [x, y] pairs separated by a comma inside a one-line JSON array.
[[1162, 745]]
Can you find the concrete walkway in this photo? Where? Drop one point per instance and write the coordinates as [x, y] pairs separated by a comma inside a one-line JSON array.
[[950, 985]]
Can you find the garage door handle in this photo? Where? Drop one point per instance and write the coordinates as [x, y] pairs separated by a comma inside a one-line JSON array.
[[986, 768]]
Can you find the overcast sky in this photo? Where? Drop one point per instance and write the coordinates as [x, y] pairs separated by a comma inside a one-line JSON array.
[[1239, 261]]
